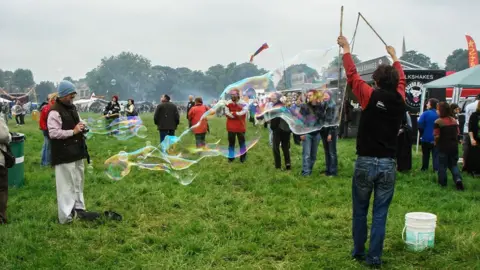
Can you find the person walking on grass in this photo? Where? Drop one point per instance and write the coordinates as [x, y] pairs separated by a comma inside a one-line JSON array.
[[425, 126], [312, 113], [236, 113], [383, 110], [190, 105], [5, 139], [446, 133], [329, 135], [166, 117], [280, 135], [69, 150], [194, 115], [46, 156]]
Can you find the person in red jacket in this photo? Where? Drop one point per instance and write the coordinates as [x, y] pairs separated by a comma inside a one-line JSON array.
[[199, 128], [43, 127], [383, 109], [236, 112]]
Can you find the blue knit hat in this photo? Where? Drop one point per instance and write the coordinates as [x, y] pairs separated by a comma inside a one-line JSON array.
[[65, 88]]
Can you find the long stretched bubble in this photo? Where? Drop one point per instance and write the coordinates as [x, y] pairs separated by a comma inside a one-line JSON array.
[[122, 128], [304, 92]]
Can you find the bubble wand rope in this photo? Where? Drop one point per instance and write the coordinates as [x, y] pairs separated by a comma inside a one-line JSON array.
[[372, 28]]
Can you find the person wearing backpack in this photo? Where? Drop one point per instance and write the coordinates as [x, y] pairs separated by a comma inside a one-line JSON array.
[[5, 139]]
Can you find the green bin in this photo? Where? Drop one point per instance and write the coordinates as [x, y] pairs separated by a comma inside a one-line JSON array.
[[16, 174]]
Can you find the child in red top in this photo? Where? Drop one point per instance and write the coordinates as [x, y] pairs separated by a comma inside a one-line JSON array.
[[199, 128], [43, 126], [236, 111]]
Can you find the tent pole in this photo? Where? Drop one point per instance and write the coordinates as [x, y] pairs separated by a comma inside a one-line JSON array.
[[422, 105]]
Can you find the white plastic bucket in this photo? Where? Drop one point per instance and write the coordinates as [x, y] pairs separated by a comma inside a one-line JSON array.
[[419, 230]]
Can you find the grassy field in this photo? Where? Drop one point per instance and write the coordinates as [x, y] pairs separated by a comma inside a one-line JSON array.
[[233, 216]]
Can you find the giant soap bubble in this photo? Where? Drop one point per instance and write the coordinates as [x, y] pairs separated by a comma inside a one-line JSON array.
[[311, 73]]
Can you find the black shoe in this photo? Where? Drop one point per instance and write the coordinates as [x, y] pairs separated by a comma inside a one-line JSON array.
[[459, 185], [288, 167], [112, 215], [84, 215], [230, 160], [359, 258]]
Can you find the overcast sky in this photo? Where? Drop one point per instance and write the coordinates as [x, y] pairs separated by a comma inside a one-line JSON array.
[[57, 38]]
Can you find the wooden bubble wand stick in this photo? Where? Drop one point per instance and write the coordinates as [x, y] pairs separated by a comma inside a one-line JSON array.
[[372, 28]]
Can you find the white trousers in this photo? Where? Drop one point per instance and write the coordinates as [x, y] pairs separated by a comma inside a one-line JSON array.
[[69, 178]]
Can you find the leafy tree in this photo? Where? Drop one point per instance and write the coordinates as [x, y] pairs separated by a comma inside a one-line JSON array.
[[310, 75], [130, 72], [457, 60], [23, 78], [335, 62], [417, 58], [8, 80], [434, 65], [2, 79], [68, 78], [43, 89]]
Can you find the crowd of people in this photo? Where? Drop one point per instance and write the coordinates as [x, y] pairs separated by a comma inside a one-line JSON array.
[[383, 136]]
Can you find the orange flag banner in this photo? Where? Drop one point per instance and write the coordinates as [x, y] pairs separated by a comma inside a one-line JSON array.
[[472, 52]]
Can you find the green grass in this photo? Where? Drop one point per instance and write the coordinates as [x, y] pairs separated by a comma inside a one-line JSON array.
[[233, 216]]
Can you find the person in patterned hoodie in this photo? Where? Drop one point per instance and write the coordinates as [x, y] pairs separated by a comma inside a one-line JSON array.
[[236, 111]]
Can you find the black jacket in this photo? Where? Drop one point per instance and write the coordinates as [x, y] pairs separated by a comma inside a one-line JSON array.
[[113, 108], [166, 116], [70, 149]]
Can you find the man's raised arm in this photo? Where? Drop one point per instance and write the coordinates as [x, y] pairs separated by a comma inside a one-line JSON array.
[[360, 88]]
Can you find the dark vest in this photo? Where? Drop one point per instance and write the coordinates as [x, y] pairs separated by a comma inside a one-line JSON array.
[[379, 124], [70, 149]]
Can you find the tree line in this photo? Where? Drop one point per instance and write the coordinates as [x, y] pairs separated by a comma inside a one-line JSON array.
[[131, 75]]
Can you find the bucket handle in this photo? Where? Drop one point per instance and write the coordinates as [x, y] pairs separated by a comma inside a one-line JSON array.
[[403, 233]]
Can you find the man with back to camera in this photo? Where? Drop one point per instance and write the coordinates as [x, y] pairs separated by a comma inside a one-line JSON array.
[[166, 117], [383, 108]]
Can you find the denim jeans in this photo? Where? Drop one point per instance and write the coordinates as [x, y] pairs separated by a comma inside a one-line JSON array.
[[309, 152], [449, 161], [428, 148], [377, 175], [46, 156], [231, 146], [330, 149], [164, 133]]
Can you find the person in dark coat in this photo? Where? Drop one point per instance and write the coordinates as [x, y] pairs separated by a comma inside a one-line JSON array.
[[404, 145], [472, 160], [190, 105], [166, 117], [280, 136]]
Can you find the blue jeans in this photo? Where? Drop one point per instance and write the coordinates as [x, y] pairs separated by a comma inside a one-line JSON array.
[[309, 152], [377, 175], [448, 161], [330, 149], [46, 156], [164, 133]]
